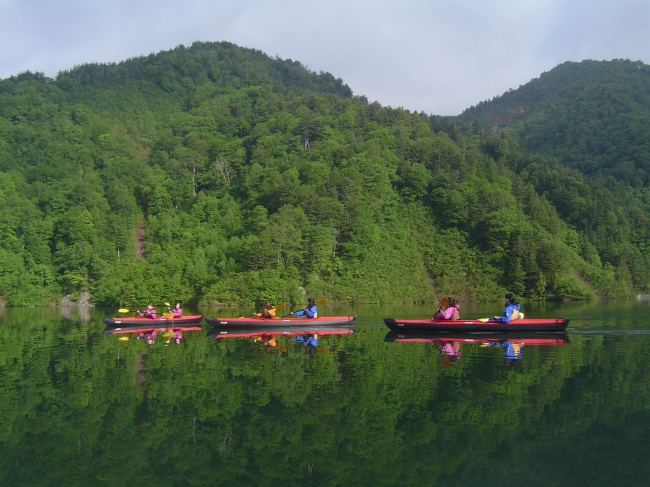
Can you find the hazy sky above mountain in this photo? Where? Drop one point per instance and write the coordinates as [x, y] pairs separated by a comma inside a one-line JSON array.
[[438, 56]]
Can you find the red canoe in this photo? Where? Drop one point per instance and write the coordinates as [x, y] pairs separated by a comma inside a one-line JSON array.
[[226, 323], [464, 326], [153, 322]]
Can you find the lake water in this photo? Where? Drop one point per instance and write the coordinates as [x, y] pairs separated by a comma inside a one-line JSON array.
[[78, 408]]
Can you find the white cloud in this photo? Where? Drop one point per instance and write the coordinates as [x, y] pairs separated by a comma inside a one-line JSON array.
[[437, 56]]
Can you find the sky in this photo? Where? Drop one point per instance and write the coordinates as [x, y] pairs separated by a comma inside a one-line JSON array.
[[436, 56]]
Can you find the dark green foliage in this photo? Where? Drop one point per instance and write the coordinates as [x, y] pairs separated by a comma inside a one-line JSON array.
[[218, 174], [593, 116]]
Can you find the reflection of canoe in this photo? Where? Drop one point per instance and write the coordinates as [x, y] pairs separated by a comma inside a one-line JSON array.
[[517, 337], [226, 323], [149, 327], [160, 321], [463, 326], [219, 333]]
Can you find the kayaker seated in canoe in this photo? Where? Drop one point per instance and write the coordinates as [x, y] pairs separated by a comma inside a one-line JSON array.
[[310, 311], [150, 312], [267, 312], [510, 310], [177, 311], [450, 312]]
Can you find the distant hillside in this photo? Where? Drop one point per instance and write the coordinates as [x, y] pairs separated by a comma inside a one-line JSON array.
[[593, 116], [217, 174]]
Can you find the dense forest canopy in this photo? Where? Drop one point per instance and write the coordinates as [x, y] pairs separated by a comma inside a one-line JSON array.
[[217, 174], [593, 116]]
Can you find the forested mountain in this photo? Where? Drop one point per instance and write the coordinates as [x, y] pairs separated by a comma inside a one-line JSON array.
[[218, 174], [593, 116]]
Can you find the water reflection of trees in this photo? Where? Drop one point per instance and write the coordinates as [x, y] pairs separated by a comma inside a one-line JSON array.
[[367, 413]]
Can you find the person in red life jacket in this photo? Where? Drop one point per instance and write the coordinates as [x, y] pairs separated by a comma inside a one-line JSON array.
[[150, 312], [176, 311], [451, 312], [310, 311]]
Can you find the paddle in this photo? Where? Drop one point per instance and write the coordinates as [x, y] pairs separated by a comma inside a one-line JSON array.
[[443, 303], [317, 303]]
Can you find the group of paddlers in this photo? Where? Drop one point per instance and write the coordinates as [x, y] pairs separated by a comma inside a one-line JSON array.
[[150, 311], [309, 311], [449, 309]]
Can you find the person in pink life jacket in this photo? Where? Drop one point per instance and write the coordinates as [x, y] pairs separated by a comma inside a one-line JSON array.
[[177, 311], [451, 312], [150, 312]]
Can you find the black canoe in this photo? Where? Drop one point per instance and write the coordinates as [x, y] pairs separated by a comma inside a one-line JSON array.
[[464, 326], [153, 322]]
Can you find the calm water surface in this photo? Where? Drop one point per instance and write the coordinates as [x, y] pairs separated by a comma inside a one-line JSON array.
[[80, 408]]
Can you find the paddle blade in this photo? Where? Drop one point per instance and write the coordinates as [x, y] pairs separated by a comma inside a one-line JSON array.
[[122, 310], [444, 302], [280, 305], [483, 320], [322, 301], [521, 316], [168, 315], [124, 338], [167, 304], [168, 334]]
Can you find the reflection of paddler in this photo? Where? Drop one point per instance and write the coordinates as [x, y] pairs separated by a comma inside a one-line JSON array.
[[511, 351], [310, 341], [450, 352], [268, 341], [150, 337]]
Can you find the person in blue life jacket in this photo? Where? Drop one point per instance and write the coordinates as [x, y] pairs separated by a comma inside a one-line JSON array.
[[510, 310], [310, 311]]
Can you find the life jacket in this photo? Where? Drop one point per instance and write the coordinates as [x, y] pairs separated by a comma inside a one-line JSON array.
[[456, 315]]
